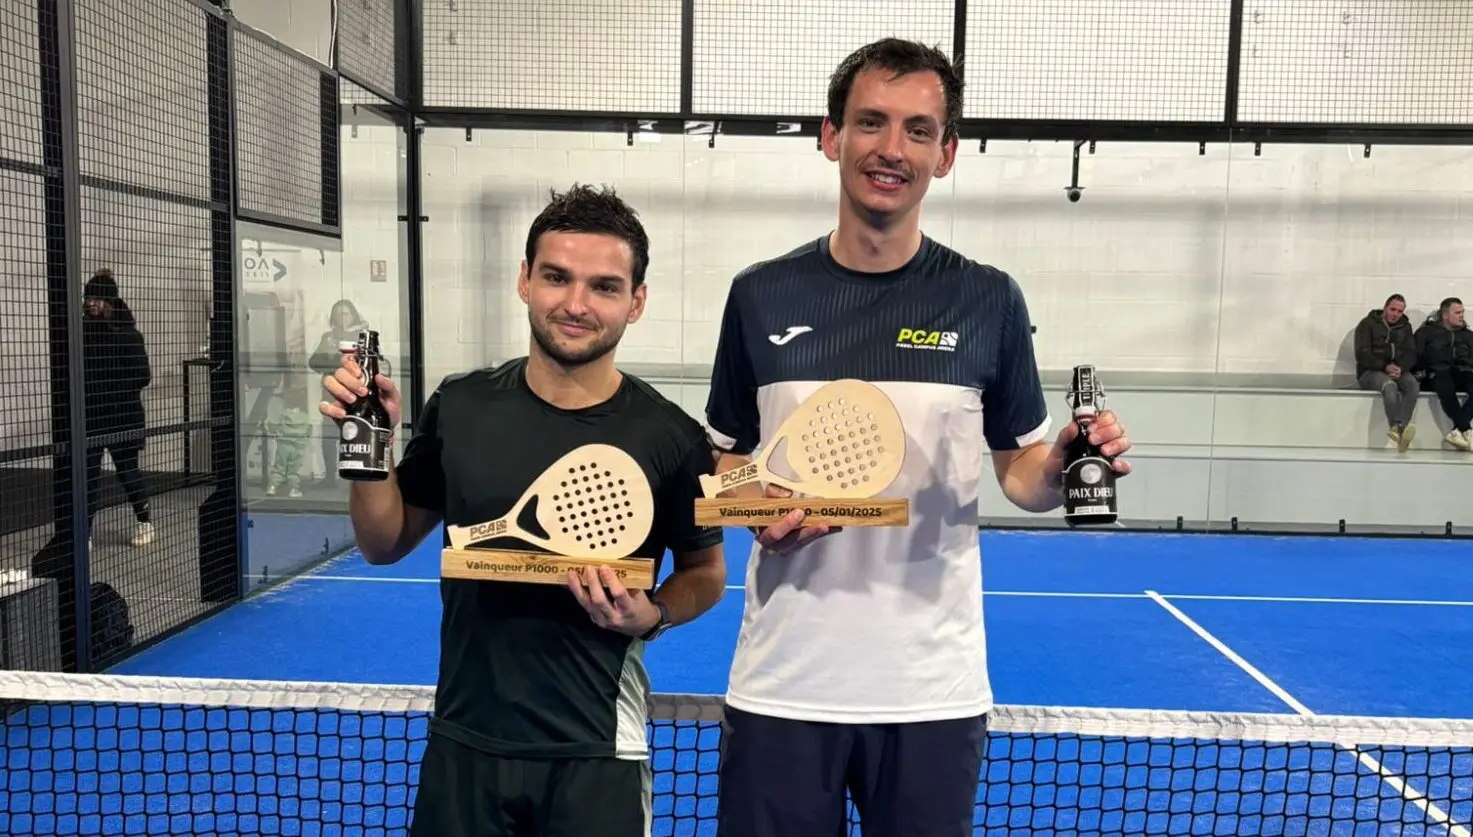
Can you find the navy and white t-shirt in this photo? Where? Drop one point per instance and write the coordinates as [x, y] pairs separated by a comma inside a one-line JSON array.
[[877, 624]]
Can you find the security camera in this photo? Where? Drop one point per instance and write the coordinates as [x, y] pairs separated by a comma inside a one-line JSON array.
[[1073, 192]]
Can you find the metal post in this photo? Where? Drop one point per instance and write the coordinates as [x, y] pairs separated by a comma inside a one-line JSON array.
[[414, 207], [222, 538], [687, 57], [1234, 63], [330, 161], [64, 256], [959, 38]]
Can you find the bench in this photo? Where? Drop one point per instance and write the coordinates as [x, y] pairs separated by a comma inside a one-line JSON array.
[[1321, 424], [1281, 458], [1277, 456], [1251, 416], [29, 635]]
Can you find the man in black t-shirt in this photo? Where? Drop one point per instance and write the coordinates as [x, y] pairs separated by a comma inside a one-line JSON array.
[[539, 722]]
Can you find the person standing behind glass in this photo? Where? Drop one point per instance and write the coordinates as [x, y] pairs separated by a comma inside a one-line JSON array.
[[344, 322], [115, 372]]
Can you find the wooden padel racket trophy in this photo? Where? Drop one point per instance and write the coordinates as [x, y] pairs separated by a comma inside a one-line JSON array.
[[594, 507], [841, 447]]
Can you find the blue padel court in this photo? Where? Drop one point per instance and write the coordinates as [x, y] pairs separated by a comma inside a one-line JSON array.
[[1293, 626]]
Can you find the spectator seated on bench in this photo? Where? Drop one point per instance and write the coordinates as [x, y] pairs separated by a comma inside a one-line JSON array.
[[1385, 357], [1444, 346]]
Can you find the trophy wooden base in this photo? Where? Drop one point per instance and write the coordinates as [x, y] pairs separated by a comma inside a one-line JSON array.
[[539, 567], [767, 511]]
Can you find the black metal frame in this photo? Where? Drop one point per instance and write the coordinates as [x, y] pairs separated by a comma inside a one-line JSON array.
[[968, 130], [1229, 129], [328, 224], [398, 97], [411, 46], [331, 116], [223, 547], [62, 191], [689, 121]]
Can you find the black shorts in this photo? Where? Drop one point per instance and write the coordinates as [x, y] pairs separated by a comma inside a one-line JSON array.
[[464, 792], [783, 778]]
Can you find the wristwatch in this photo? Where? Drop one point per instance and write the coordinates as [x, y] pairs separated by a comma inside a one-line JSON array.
[[661, 625]]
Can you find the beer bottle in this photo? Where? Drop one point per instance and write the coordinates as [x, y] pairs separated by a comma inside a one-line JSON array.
[[363, 435], [1089, 481]]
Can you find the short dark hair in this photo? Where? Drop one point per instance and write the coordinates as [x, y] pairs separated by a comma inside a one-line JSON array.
[[1394, 298], [901, 58], [1448, 303], [585, 209]]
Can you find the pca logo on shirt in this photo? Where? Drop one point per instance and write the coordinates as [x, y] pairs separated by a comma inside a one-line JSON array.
[[936, 341]]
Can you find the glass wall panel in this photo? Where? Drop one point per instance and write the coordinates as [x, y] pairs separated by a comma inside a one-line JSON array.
[[1318, 239], [302, 294], [1215, 286]]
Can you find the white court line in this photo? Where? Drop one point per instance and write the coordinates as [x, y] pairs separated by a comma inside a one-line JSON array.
[[1050, 594], [1429, 808], [395, 580], [366, 578], [404, 580], [1317, 600], [1042, 594], [1263, 679]]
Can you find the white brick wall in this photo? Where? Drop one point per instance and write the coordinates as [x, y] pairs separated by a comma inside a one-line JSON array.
[[303, 25], [1172, 261]]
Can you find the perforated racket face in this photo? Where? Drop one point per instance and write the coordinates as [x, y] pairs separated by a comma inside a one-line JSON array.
[[850, 444], [595, 502]]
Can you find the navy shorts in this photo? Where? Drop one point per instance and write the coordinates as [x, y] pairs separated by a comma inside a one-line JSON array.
[[784, 778]]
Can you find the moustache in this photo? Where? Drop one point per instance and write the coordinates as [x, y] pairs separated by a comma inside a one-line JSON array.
[[890, 170], [572, 322]]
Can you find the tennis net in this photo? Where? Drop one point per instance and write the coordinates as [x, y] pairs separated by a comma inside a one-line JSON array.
[[108, 754]]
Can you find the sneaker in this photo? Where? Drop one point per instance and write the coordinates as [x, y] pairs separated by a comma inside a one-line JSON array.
[[143, 535], [1404, 440], [1456, 438]]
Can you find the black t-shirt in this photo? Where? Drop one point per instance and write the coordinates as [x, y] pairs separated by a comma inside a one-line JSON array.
[[524, 672]]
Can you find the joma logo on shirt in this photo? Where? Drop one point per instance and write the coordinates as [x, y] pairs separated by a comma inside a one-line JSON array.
[[916, 338]]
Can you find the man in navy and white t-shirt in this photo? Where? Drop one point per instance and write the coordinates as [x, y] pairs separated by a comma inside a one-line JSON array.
[[861, 662]]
